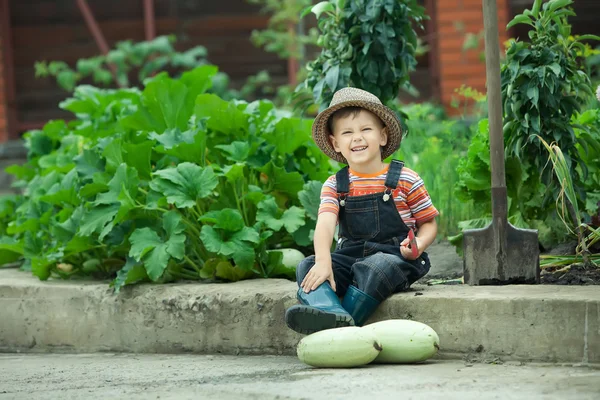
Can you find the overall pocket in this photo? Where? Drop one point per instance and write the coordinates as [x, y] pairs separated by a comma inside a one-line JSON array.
[[362, 219]]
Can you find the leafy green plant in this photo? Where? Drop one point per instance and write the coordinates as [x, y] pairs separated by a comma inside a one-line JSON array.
[[146, 57], [167, 183], [543, 87], [567, 206], [544, 91], [366, 44]]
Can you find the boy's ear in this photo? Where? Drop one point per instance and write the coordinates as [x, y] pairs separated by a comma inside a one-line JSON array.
[[334, 143], [384, 136]]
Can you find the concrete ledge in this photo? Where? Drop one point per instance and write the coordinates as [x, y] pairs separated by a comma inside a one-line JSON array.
[[527, 323]]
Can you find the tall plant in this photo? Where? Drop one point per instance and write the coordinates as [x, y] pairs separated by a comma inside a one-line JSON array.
[[543, 87], [365, 43], [146, 57]]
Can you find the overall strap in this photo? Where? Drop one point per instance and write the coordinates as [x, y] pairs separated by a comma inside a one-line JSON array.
[[342, 179], [393, 174]]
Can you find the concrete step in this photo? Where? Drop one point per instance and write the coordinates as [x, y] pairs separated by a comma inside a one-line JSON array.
[[519, 323]]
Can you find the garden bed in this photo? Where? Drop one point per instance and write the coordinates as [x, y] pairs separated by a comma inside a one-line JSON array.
[[576, 274]]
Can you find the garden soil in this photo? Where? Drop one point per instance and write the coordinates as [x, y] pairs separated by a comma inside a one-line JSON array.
[[447, 268]]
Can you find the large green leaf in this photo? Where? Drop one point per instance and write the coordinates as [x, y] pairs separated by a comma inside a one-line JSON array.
[[123, 189], [236, 151], [189, 145], [88, 163], [138, 156], [279, 179], [10, 250], [133, 271], [274, 218], [95, 219], [310, 198], [184, 184], [154, 251], [222, 116], [227, 219], [164, 99], [238, 245], [289, 134]]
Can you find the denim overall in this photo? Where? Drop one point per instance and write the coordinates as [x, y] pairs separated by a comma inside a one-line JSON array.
[[368, 254]]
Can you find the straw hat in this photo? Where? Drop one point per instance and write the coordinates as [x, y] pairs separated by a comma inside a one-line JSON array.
[[353, 97]]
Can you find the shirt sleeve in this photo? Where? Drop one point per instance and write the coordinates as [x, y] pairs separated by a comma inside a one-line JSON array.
[[419, 202], [329, 200]]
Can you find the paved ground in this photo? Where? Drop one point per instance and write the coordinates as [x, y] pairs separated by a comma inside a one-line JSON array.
[[134, 376]]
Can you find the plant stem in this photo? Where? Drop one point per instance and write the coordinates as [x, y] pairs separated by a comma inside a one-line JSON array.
[[193, 264]]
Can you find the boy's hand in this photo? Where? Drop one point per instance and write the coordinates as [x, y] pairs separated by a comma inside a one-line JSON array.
[[319, 273], [407, 251]]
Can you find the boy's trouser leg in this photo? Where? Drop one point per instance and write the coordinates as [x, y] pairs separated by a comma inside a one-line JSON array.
[[377, 277], [320, 308]]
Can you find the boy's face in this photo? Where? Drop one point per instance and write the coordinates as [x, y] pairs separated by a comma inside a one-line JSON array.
[[359, 138]]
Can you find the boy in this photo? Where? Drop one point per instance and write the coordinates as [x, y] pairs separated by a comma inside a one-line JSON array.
[[376, 205]]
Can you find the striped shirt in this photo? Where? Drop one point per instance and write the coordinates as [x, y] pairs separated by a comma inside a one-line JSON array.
[[411, 197]]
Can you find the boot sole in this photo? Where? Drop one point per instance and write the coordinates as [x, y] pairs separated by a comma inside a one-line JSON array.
[[307, 320]]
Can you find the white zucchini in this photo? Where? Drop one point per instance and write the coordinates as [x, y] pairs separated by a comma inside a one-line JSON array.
[[291, 257], [339, 347], [404, 341]]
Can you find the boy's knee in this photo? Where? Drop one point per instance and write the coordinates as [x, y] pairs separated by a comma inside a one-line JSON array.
[[303, 267]]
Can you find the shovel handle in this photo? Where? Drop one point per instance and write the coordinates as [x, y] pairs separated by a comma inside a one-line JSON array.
[[494, 99]]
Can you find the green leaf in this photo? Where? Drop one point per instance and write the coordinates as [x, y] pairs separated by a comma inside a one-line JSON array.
[[138, 156], [226, 271], [133, 271], [234, 173], [554, 5], [227, 219], [533, 93], [320, 8], [273, 218], [310, 198], [95, 219], [214, 242], [276, 268], [588, 37], [290, 134], [186, 146], [165, 100], [149, 247], [519, 19], [236, 151], [221, 116], [113, 154], [123, 189], [88, 163], [286, 182], [244, 257], [41, 267], [10, 250], [184, 184]]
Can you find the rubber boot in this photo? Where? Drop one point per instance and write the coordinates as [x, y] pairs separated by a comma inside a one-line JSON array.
[[359, 304], [319, 309]]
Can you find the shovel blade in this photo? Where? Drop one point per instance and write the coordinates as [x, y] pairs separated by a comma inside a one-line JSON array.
[[501, 254]]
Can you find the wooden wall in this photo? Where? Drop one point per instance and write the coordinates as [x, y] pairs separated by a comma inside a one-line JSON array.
[[55, 30], [454, 20]]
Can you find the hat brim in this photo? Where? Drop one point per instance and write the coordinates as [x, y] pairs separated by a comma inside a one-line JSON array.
[[320, 129]]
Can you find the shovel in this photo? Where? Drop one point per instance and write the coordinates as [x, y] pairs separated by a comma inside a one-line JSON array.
[[500, 253]]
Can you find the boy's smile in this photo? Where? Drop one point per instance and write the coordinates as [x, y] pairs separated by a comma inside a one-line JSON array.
[[359, 137]]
